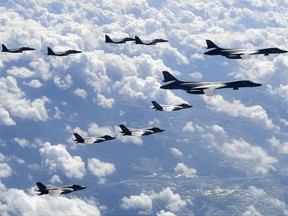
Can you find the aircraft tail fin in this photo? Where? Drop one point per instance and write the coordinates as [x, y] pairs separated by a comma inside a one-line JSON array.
[[41, 186], [4, 48], [78, 139], [138, 40], [50, 51], [157, 106], [125, 130], [108, 39], [210, 44], [168, 77]]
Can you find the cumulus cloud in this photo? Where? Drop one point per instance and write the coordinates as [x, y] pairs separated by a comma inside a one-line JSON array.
[[176, 152], [14, 103], [100, 169], [172, 202], [237, 109], [57, 158], [65, 83], [105, 102], [81, 93], [21, 142], [183, 170], [33, 83], [191, 127], [17, 202]]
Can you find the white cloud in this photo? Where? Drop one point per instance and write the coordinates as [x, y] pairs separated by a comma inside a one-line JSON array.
[[5, 170], [251, 211], [176, 152], [142, 201], [65, 83], [57, 158], [281, 147], [20, 72], [105, 102], [14, 103], [55, 179], [22, 142], [191, 127], [218, 129], [100, 169], [236, 109], [33, 83], [17, 202], [184, 170], [81, 93], [165, 213]]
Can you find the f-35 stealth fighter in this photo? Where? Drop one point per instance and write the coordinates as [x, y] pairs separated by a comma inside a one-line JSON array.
[[118, 41], [17, 50], [207, 88], [55, 191], [139, 132], [151, 42], [169, 108], [213, 49], [65, 53], [91, 140]]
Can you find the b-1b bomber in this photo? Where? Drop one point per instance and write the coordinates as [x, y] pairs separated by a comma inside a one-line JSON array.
[[207, 88]]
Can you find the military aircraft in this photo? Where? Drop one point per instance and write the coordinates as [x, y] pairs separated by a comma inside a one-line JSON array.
[[213, 49], [17, 50], [207, 88], [91, 140], [118, 41], [65, 53], [55, 191], [151, 42], [139, 132], [168, 108]]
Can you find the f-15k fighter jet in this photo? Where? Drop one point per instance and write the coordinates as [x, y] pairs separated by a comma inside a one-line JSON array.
[[17, 50], [55, 191], [118, 41], [64, 53], [150, 42]]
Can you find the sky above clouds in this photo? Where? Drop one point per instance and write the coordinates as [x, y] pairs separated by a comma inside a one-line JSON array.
[[231, 144]]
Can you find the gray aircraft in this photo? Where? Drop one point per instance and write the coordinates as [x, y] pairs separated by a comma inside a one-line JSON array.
[[118, 41], [55, 191], [139, 132], [168, 108], [213, 49], [17, 50], [91, 140], [65, 53], [207, 88], [151, 42]]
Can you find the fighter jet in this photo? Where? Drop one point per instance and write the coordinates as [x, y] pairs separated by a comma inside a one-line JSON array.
[[18, 50], [139, 132], [117, 41], [207, 88], [169, 108], [213, 49], [91, 140], [65, 53], [55, 191], [151, 42]]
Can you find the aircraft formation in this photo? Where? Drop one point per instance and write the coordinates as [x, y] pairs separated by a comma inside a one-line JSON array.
[[170, 83]]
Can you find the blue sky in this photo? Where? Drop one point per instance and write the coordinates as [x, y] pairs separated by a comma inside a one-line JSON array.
[[234, 143]]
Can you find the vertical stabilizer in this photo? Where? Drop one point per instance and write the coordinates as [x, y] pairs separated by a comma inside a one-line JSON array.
[[50, 51], [4, 48], [157, 106], [138, 40], [210, 44], [168, 77], [108, 39], [125, 130]]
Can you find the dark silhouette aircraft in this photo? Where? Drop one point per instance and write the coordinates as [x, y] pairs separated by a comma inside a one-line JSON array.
[[65, 53], [118, 41], [91, 140], [17, 50], [139, 132], [207, 88], [55, 191], [151, 42], [168, 108], [213, 49]]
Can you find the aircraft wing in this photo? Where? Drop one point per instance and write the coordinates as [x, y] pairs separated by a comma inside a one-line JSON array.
[[138, 132], [209, 90], [55, 192], [244, 54], [169, 108]]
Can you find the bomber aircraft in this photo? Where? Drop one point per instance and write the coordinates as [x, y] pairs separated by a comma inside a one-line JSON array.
[[213, 49], [55, 191], [207, 88], [168, 108], [151, 42], [139, 132], [17, 50], [65, 53], [91, 140], [118, 41]]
